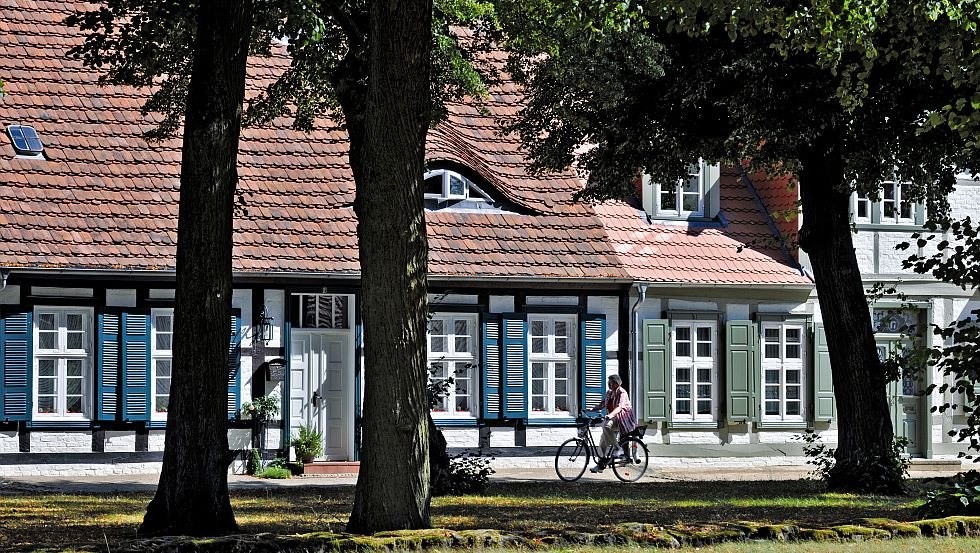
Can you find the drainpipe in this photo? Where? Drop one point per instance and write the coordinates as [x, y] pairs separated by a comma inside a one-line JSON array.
[[641, 289], [4, 275]]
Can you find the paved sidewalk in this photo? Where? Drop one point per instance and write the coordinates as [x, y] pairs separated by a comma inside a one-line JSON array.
[[148, 482]]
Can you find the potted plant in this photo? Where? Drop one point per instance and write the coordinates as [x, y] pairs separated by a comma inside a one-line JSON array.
[[308, 444], [262, 408]]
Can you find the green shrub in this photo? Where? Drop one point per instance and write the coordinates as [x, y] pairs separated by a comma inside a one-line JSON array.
[[959, 495], [254, 462], [308, 444], [876, 470], [277, 473], [262, 408]]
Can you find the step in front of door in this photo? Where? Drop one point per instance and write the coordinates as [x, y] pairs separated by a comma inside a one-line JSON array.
[[332, 467]]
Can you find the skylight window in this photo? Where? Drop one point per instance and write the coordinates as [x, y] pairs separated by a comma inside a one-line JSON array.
[[26, 141]]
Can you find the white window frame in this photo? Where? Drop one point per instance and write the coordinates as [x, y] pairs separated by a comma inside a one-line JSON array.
[[469, 187], [334, 313], [456, 361], [897, 201], [696, 172], [694, 363], [550, 359], [857, 199], [157, 354], [61, 354], [784, 363]]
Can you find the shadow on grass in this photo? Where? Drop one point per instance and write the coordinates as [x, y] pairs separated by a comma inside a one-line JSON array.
[[30, 521]]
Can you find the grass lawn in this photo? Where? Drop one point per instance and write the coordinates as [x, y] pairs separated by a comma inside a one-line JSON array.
[[52, 521]]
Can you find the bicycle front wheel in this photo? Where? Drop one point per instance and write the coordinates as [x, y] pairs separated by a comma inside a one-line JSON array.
[[572, 459], [635, 460]]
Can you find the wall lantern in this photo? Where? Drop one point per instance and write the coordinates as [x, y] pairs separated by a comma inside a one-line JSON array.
[[264, 327]]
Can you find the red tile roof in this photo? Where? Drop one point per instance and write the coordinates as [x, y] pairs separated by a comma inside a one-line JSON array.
[[781, 198], [105, 199], [711, 254]]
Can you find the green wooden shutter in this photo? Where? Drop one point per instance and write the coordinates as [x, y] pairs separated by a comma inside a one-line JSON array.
[[657, 369], [491, 366], [136, 366], [107, 380], [234, 363], [743, 371], [823, 380], [514, 363], [16, 363], [593, 360]]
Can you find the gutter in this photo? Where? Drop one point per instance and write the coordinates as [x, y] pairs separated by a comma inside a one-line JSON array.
[[641, 289]]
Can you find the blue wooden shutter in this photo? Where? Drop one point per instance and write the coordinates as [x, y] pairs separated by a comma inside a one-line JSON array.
[[491, 366], [136, 366], [107, 381], [657, 369], [514, 363], [823, 379], [743, 365], [16, 363], [593, 360], [234, 363]]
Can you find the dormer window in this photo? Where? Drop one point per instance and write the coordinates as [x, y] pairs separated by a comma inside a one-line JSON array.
[[695, 196], [26, 141], [444, 184], [891, 208]]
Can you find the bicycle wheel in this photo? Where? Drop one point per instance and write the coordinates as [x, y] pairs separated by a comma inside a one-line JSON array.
[[571, 459], [633, 464]]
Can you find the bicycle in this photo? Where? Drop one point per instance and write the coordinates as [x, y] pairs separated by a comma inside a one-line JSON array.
[[574, 454]]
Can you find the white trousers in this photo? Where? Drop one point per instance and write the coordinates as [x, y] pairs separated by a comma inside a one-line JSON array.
[[610, 428]]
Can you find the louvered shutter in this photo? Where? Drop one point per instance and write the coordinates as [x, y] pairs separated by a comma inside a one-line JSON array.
[[234, 363], [107, 399], [514, 364], [593, 360], [491, 366], [823, 379], [136, 366], [657, 369], [16, 369], [743, 371]]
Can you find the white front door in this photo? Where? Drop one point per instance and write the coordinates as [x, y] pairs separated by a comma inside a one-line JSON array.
[[321, 388]]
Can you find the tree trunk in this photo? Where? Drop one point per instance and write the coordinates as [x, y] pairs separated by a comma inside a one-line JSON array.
[[192, 498], [393, 485], [865, 461]]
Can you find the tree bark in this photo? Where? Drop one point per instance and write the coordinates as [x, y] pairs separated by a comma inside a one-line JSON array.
[[865, 460], [393, 485], [192, 497]]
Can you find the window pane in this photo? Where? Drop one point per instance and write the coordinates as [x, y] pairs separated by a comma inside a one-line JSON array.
[[906, 210], [163, 367], [793, 351], [683, 375], [46, 386], [772, 408], [537, 403], [46, 367], [537, 345], [163, 386], [537, 328], [46, 321], [683, 349], [692, 185], [793, 408], [74, 367], [690, 203], [537, 370], [704, 375], [561, 403], [45, 404], [793, 392], [683, 333], [47, 340], [793, 335], [309, 311], [462, 344], [439, 343], [561, 345], [889, 191], [704, 334], [461, 327], [341, 312], [73, 404], [704, 390], [772, 351], [73, 321], [462, 385], [457, 187], [704, 407], [771, 334], [437, 326], [433, 185], [704, 349], [772, 376], [164, 323], [772, 392], [793, 376], [73, 386], [862, 209], [888, 208], [684, 407], [324, 317], [683, 390], [165, 342], [462, 404], [561, 328], [668, 198], [75, 340], [162, 403], [561, 388], [561, 370]]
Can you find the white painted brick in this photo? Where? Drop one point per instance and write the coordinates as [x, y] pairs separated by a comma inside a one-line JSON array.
[[552, 300], [80, 469], [550, 435], [273, 438], [965, 200], [119, 441], [501, 304], [780, 436], [864, 250], [9, 442], [61, 442], [275, 303], [739, 437], [502, 437], [156, 440], [461, 437], [239, 438], [695, 437], [890, 259]]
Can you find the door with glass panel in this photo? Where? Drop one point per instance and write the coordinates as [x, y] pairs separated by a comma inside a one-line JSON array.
[[904, 399]]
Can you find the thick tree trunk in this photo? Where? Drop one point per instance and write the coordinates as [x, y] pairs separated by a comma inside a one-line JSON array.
[[865, 460], [192, 497], [393, 486]]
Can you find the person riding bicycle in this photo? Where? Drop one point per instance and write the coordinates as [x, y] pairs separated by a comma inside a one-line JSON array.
[[620, 417]]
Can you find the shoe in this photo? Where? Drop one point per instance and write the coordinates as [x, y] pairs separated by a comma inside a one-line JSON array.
[[596, 469]]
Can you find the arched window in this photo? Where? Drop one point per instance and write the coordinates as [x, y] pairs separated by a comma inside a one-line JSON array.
[[446, 184]]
